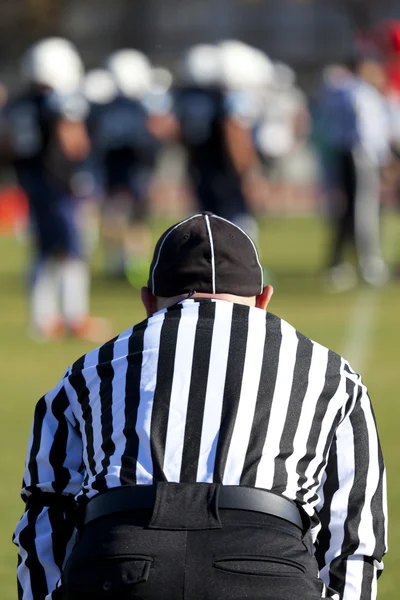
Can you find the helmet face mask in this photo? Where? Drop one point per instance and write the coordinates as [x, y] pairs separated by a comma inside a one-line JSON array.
[[131, 71], [54, 63]]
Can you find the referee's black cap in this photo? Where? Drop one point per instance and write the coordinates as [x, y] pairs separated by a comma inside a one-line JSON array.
[[207, 254]]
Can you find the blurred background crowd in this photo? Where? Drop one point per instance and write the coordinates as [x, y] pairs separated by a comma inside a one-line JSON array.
[[112, 113]]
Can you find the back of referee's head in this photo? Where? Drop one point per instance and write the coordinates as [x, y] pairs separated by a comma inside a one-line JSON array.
[[205, 256]]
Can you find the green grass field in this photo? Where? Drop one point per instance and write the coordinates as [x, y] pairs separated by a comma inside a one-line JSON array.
[[364, 322]]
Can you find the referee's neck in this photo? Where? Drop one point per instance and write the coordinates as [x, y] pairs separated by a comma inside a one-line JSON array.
[[153, 303]]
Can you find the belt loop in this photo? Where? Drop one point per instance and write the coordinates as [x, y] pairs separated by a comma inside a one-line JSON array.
[[307, 526], [185, 506]]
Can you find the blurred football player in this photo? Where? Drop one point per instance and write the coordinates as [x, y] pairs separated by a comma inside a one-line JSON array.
[[129, 152], [46, 140], [215, 123], [352, 131]]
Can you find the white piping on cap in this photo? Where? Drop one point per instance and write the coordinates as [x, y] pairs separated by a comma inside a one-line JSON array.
[[161, 247], [212, 252], [252, 243]]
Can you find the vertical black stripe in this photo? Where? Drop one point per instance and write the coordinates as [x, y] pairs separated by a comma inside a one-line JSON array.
[[377, 502], [162, 393], [337, 575], [20, 591], [105, 372], [132, 400], [233, 384], [40, 413], [367, 578], [377, 510], [332, 382], [357, 494], [266, 389], [197, 392], [78, 383], [78, 365], [329, 439], [350, 387], [330, 487], [62, 521], [297, 393], [58, 450], [27, 539]]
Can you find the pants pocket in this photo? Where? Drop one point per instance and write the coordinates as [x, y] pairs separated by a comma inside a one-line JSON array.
[[259, 565], [105, 577]]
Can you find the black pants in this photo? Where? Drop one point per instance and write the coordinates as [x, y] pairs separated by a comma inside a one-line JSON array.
[[243, 555], [345, 217]]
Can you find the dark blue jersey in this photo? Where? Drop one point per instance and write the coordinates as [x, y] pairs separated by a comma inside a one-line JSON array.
[[29, 124], [201, 113], [31, 120], [42, 169], [121, 136]]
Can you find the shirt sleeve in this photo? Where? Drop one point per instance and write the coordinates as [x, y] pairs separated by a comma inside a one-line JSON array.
[[53, 477], [242, 107], [158, 103], [352, 540]]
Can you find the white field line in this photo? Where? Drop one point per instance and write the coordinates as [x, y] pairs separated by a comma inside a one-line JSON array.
[[360, 327]]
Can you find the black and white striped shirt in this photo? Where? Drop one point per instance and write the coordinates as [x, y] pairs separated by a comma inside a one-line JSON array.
[[210, 391]]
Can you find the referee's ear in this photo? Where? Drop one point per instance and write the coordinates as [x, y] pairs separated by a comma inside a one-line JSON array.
[[262, 300], [149, 301]]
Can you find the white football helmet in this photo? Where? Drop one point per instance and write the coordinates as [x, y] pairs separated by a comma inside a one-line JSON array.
[[53, 62], [245, 67], [202, 66], [131, 71], [99, 86]]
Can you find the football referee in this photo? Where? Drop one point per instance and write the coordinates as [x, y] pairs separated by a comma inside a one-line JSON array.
[[209, 452]]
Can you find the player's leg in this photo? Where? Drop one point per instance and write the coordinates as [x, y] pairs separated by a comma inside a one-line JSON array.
[[74, 277], [44, 282], [341, 274], [115, 223], [373, 268], [45, 316]]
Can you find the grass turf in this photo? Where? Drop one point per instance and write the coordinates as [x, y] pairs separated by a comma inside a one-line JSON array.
[[294, 251]]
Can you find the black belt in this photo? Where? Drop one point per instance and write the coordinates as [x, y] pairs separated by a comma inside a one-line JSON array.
[[141, 497]]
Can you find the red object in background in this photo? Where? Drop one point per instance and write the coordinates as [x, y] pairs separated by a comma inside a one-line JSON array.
[[393, 76], [387, 36], [396, 39], [13, 209]]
